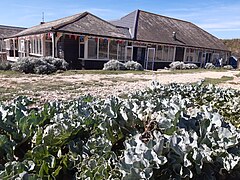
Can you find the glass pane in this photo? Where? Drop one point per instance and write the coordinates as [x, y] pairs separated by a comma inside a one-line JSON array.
[[129, 54], [165, 53], [103, 48], [171, 53], [159, 53], [121, 51], [113, 49], [92, 48], [151, 55], [48, 48]]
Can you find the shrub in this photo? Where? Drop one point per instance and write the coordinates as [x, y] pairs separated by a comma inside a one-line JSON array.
[[176, 65], [5, 65], [44, 65], [181, 65], [60, 64], [132, 65], [209, 66], [190, 66], [229, 67], [114, 65]]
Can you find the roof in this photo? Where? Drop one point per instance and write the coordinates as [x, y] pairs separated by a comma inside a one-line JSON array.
[[137, 25], [6, 31], [157, 28], [79, 23]]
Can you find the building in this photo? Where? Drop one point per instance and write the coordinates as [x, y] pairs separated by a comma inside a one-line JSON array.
[[86, 42], [6, 31]]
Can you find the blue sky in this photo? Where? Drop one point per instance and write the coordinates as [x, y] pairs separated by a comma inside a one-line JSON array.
[[221, 18]]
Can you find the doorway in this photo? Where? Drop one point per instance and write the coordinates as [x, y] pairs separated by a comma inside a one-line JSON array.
[[139, 54], [71, 52], [179, 56]]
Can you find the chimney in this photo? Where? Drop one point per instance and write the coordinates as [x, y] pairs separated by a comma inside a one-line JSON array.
[[42, 22], [174, 35]]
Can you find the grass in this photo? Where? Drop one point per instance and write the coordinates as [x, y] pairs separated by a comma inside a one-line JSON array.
[[216, 81]]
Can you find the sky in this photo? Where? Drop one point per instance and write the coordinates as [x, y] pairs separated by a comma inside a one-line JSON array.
[[220, 18]]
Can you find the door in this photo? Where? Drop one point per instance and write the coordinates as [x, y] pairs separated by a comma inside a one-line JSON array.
[[71, 52], [139, 54], [179, 54], [150, 59]]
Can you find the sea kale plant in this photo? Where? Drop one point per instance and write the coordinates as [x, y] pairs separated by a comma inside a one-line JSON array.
[[165, 132]]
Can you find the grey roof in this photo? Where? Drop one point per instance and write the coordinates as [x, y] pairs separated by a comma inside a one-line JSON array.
[[156, 28], [79, 23], [6, 31]]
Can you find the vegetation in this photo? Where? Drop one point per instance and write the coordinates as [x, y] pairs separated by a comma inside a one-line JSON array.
[[233, 46], [117, 65], [216, 81], [4, 65], [44, 65], [181, 65], [165, 132]]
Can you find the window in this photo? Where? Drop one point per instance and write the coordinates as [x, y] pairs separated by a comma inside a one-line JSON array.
[[92, 48], [129, 53], [121, 50], [113, 47], [165, 53], [159, 53], [171, 54], [48, 48], [103, 48]]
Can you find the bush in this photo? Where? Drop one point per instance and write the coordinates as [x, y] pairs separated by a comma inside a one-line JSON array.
[[210, 66], [181, 65], [117, 65], [60, 64], [114, 65], [44, 65], [132, 65], [5, 65], [229, 67]]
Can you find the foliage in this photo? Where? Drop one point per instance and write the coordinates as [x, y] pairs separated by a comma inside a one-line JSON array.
[[132, 65], [117, 65], [44, 65], [209, 66], [165, 132], [229, 67], [181, 65], [114, 65], [5, 65]]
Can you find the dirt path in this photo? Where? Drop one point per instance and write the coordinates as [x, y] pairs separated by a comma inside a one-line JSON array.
[[63, 86]]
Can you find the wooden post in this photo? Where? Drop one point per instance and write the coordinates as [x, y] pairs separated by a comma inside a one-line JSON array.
[[53, 44], [174, 53]]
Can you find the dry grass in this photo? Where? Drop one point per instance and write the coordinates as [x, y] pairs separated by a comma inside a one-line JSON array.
[[72, 84]]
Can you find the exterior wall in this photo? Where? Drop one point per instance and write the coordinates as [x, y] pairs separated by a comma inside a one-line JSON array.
[[91, 52]]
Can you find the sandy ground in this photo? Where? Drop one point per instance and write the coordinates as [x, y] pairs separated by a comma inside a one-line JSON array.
[[71, 86]]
